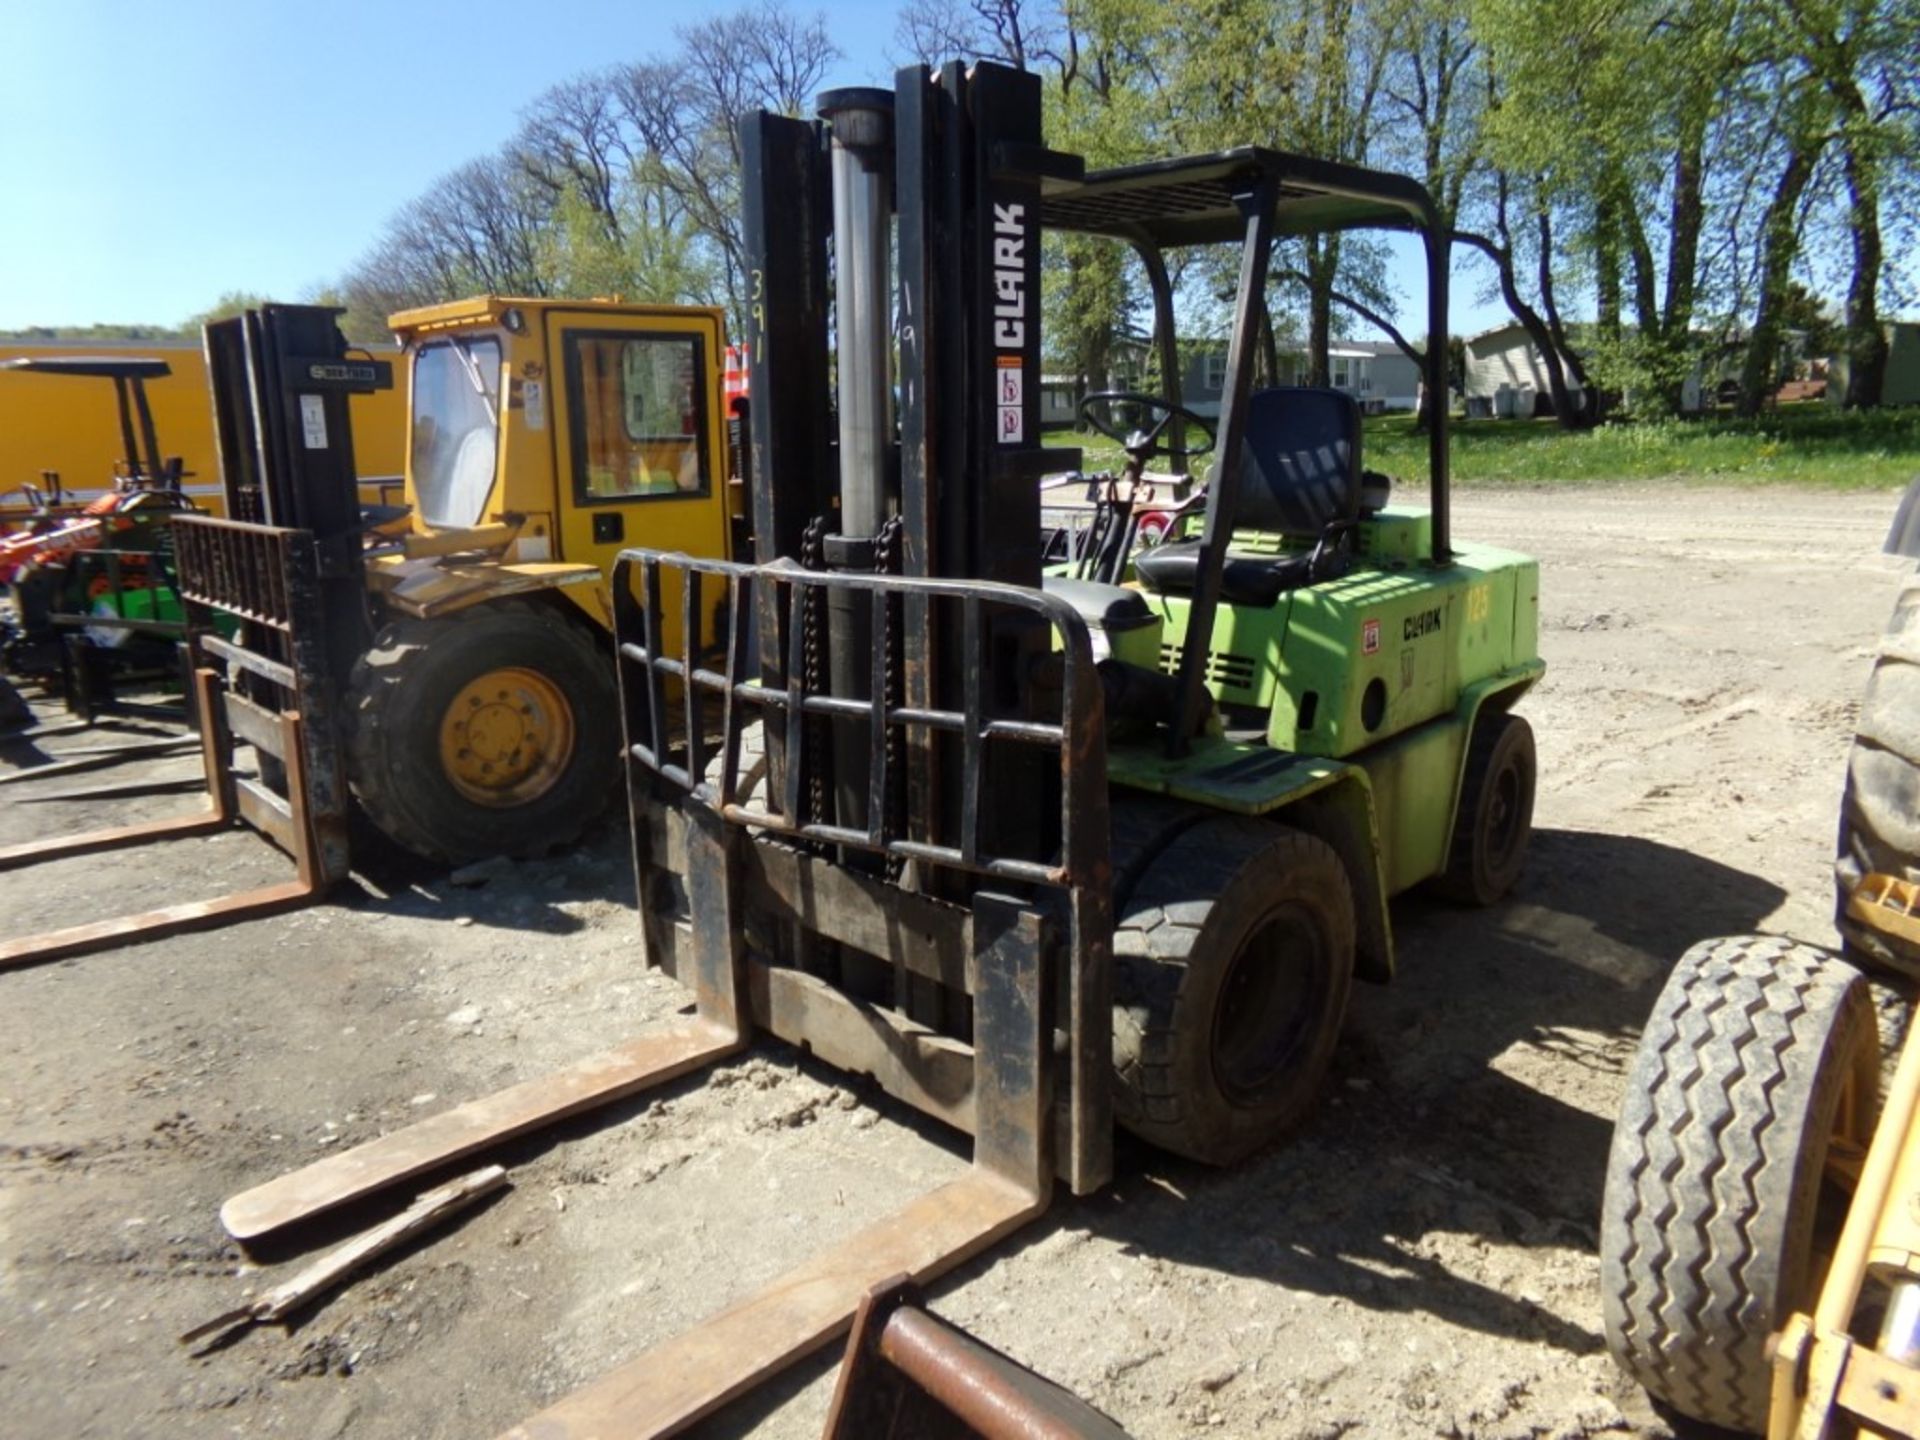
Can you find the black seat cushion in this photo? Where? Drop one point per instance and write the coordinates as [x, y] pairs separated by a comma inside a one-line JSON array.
[[1104, 607], [1244, 580], [1299, 476], [1300, 466]]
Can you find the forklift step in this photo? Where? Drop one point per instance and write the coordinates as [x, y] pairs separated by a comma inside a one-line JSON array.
[[681, 1380], [452, 1134]]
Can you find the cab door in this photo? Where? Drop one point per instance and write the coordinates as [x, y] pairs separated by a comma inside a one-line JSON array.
[[639, 432]]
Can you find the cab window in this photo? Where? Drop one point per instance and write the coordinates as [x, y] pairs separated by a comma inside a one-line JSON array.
[[638, 415], [456, 410]]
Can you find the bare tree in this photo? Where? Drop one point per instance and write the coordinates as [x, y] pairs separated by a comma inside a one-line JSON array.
[[684, 113], [572, 141], [1011, 32], [622, 179], [478, 228]]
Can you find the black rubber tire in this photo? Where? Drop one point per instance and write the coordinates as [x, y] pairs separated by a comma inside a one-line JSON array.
[[400, 691], [1193, 944], [1714, 1184], [1495, 818], [1880, 807]]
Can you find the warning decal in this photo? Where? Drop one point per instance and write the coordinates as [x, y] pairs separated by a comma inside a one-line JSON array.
[[313, 421], [1012, 400]]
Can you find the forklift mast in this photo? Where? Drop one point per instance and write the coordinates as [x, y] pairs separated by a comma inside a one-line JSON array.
[[953, 492], [280, 378]]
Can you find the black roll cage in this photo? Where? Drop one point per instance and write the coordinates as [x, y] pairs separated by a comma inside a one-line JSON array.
[[1253, 195]]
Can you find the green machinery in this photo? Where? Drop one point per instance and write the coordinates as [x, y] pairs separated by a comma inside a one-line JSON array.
[[1037, 857]]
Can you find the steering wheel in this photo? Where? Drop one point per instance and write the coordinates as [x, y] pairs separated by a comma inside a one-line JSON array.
[[1145, 441]]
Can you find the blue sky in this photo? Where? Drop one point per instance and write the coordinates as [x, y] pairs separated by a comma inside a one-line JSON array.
[[159, 153]]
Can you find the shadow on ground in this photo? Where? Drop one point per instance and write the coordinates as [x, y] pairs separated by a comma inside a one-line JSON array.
[[1455, 1107], [1451, 1110]]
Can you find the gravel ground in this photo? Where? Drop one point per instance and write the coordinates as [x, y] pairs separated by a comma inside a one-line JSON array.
[[1418, 1261]]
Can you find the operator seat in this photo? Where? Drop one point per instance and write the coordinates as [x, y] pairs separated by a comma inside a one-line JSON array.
[[1300, 476]]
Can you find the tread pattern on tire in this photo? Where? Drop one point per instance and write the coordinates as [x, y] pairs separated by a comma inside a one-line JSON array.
[[401, 644], [1706, 1176], [1156, 931], [1880, 806]]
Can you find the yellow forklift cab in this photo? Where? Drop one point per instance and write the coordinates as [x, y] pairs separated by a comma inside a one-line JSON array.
[[551, 434]]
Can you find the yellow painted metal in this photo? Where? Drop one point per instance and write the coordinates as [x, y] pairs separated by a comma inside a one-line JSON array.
[[1825, 1366], [534, 490], [1789, 1354], [430, 588], [696, 524], [422, 544], [71, 426], [1876, 1194], [1813, 1356], [455, 314], [506, 737], [1887, 904]]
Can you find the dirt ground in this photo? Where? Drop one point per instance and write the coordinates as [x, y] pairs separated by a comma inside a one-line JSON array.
[[1418, 1262]]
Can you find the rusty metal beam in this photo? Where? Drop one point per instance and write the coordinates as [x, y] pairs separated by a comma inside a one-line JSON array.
[[153, 924], [925, 936], [466, 1129], [92, 842], [216, 749], [681, 1380], [294, 833], [930, 1071], [909, 1375]]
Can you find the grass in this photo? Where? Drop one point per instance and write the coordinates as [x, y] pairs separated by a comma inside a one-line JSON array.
[[1806, 444]]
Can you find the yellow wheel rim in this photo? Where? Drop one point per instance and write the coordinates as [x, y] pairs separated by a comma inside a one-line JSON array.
[[507, 737]]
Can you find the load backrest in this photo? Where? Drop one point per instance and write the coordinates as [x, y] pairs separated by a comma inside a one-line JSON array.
[[1300, 466]]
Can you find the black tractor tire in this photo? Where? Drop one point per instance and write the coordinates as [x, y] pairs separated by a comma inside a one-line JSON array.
[[1880, 806], [1717, 1176], [400, 692], [1495, 818], [1233, 961]]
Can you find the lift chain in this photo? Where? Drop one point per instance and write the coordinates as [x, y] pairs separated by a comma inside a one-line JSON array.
[[813, 662], [887, 545]]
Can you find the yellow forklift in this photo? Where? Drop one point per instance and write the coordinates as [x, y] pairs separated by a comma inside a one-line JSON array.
[[445, 663], [479, 716]]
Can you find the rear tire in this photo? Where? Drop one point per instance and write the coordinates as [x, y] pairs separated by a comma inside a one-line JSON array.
[[1495, 818], [1233, 961], [1880, 807], [402, 698], [1715, 1180]]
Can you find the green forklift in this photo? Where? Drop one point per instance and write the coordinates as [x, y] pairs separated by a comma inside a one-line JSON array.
[[1296, 710], [1037, 855]]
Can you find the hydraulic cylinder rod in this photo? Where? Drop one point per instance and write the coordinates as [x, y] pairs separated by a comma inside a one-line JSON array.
[[861, 121]]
